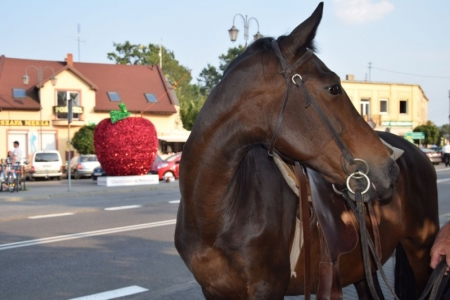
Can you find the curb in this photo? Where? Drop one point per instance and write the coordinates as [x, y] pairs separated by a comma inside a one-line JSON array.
[[11, 197]]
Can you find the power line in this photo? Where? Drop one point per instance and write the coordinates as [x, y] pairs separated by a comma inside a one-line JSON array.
[[409, 74]]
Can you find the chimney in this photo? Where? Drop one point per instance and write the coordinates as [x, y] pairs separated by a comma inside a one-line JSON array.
[[349, 77], [69, 60]]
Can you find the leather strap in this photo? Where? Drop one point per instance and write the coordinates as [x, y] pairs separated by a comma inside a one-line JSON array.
[[304, 213], [437, 283], [330, 287], [368, 243], [375, 229]]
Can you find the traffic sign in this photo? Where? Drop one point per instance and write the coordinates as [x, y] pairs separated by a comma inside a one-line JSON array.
[[415, 135]]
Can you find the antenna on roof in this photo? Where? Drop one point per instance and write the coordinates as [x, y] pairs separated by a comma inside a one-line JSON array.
[[78, 37], [160, 55]]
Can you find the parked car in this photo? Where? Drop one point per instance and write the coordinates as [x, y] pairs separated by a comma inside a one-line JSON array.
[[83, 165], [98, 172], [167, 168], [44, 164], [435, 157]]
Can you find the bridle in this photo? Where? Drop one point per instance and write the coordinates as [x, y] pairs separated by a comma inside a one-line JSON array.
[[297, 80], [358, 208]]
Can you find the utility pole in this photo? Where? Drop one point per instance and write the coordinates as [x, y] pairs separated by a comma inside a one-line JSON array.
[[370, 67]]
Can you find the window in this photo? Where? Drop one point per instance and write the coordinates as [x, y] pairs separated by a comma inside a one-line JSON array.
[[46, 157], [383, 106], [63, 97], [365, 107], [113, 96], [150, 98], [19, 94], [403, 106]]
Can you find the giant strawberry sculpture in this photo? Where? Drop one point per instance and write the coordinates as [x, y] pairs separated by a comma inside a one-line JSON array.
[[125, 145]]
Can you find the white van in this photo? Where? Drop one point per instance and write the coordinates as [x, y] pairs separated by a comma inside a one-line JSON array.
[[44, 164]]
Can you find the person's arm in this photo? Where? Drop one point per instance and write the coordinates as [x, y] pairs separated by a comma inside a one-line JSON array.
[[441, 247], [13, 158]]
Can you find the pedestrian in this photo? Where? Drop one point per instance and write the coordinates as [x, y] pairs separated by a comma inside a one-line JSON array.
[[446, 151], [17, 153]]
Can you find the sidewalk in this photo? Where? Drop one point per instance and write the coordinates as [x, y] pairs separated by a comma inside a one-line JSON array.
[[42, 189]]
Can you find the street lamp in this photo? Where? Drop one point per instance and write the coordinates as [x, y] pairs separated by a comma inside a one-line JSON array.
[[234, 31], [40, 77]]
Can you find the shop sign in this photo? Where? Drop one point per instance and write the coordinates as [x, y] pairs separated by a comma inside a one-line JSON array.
[[24, 123], [65, 109], [396, 123]]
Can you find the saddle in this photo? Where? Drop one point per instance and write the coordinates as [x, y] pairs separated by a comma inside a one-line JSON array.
[[337, 232]]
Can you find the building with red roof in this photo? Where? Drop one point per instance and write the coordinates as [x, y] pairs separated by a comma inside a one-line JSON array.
[[34, 97]]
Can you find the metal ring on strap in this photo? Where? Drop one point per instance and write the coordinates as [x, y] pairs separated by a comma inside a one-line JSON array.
[[361, 161], [358, 175], [294, 76], [336, 190]]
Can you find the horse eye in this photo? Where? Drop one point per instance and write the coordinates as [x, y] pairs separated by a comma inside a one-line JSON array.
[[334, 89]]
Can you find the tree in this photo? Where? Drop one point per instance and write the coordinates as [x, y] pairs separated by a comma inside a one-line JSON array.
[[83, 140], [177, 75], [445, 133], [209, 77], [226, 59], [432, 134]]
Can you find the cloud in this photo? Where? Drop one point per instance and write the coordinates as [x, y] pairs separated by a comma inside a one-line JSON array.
[[361, 11]]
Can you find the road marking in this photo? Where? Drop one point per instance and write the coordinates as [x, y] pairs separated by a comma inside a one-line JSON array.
[[123, 207], [442, 180], [126, 291], [50, 216], [174, 201], [80, 235]]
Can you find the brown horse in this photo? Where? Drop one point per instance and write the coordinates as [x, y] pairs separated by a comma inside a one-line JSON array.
[[236, 217]]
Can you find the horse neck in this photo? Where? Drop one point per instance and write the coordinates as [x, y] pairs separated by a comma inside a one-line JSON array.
[[217, 146]]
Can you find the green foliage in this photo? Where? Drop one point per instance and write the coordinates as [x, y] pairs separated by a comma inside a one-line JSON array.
[[432, 134], [209, 77], [190, 96], [226, 59], [177, 75], [83, 140]]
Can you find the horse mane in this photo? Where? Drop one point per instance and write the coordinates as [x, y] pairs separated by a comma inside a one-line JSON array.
[[264, 45]]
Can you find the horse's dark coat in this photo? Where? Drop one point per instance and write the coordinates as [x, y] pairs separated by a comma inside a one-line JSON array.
[[236, 216]]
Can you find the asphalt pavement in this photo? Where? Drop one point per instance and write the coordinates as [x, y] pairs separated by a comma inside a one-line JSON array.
[[48, 189]]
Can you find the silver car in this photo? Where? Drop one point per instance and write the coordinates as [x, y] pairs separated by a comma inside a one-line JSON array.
[[83, 165]]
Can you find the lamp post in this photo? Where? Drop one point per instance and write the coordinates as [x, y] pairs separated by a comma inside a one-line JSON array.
[[40, 77], [234, 31]]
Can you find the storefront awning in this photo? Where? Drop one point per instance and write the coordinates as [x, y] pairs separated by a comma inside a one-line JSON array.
[[174, 136], [173, 139]]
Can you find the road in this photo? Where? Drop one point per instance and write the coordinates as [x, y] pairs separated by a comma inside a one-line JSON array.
[[60, 244]]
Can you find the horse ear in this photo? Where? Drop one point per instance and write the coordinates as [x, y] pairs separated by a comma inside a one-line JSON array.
[[303, 35]]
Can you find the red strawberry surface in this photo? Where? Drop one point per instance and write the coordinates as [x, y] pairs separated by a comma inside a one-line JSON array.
[[127, 147]]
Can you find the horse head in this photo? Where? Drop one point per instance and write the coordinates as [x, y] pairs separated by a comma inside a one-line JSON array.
[[303, 112]]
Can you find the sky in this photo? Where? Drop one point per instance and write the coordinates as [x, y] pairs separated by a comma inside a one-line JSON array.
[[404, 41]]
